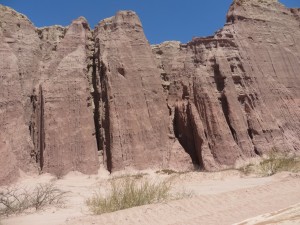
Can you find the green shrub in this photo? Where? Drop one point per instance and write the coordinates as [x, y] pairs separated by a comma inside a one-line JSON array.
[[129, 193]]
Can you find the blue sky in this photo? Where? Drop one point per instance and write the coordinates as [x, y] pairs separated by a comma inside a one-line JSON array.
[[162, 19]]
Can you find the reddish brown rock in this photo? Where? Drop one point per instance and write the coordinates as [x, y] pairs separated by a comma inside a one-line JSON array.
[[242, 83], [69, 94], [66, 126], [134, 117], [18, 71], [46, 107]]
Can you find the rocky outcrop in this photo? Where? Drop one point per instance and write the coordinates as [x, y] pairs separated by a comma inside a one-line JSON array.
[[18, 71], [72, 98], [242, 83], [46, 107], [133, 113], [67, 132]]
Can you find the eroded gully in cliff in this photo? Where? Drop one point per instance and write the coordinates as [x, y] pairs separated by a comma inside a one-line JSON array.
[[101, 106]]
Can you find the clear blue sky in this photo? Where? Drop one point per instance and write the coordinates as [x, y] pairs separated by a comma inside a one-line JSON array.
[[162, 19]]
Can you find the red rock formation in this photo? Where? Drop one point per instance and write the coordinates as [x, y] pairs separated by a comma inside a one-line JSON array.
[[18, 71], [46, 107], [70, 94], [134, 115], [242, 83], [67, 142]]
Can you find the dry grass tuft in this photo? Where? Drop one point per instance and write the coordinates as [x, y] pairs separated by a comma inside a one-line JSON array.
[[276, 163], [14, 200], [129, 192], [272, 164]]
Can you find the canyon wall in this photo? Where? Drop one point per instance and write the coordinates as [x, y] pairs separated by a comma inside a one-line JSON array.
[[72, 98], [241, 85]]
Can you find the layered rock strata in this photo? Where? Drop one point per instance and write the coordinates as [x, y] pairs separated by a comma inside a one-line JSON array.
[[72, 98], [241, 84]]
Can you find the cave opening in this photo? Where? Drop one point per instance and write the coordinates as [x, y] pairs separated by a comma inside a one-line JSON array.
[[184, 133]]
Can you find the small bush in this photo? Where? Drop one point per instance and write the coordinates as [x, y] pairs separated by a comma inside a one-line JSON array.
[[276, 163], [129, 193], [15, 200], [272, 164]]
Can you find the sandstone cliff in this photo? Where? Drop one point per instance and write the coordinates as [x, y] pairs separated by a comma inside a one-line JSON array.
[[72, 98], [236, 94]]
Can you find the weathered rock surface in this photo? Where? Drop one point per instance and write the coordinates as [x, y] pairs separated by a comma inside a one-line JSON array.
[[133, 113], [46, 108], [18, 71], [69, 94], [242, 84], [68, 142]]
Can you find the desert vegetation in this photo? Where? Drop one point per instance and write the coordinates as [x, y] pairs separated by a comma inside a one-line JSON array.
[[14, 200], [130, 192], [273, 163]]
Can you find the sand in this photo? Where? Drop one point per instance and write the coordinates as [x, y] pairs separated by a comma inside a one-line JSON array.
[[226, 197]]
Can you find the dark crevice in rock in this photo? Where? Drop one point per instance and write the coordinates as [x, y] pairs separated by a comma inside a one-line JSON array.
[[184, 132], [121, 71], [250, 133], [105, 137], [96, 100], [219, 79], [36, 127], [33, 123], [41, 130], [225, 108], [257, 152], [102, 120], [101, 103]]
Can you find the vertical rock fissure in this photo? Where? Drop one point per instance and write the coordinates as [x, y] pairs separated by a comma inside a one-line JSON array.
[[33, 124], [226, 112], [105, 118], [96, 101], [101, 110], [41, 129], [251, 134]]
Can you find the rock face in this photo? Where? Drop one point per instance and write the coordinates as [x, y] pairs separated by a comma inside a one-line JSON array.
[[72, 98], [46, 108], [65, 127], [241, 85], [134, 117]]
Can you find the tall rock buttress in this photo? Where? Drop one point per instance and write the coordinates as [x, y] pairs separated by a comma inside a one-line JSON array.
[[68, 140], [19, 64], [46, 106], [133, 112]]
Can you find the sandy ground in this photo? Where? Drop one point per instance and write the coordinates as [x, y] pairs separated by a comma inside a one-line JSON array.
[[220, 198]]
